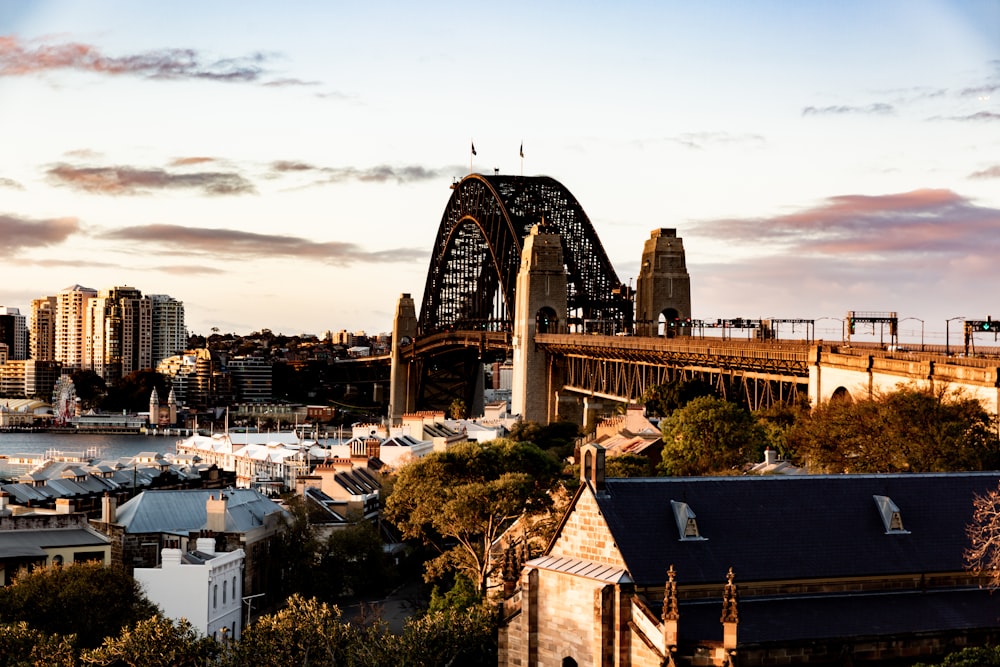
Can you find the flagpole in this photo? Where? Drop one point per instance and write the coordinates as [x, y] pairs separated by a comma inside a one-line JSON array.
[[472, 152], [522, 158]]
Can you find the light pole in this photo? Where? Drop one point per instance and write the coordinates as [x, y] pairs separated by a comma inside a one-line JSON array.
[[921, 329], [838, 319], [947, 333]]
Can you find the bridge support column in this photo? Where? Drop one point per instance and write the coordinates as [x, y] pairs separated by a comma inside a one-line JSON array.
[[540, 307], [402, 382], [663, 286]]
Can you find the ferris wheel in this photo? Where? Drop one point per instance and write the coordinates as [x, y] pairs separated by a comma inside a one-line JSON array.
[[64, 400]]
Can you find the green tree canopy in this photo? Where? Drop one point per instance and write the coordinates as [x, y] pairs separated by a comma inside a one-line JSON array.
[[709, 435], [155, 642], [132, 391], [459, 501], [24, 646], [908, 430], [85, 599], [662, 399]]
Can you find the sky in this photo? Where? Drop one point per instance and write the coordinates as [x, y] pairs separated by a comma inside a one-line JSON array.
[[286, 165]]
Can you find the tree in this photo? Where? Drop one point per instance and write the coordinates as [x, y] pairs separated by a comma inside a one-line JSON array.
[[63, 599], [662, 399], [982, 557], [907, 430], [627, 465], [459, 501], [24, 646], [90, 387], [709, 435], [355, 561], [132, 391], [155, 642], [458, 409], [558, 437]]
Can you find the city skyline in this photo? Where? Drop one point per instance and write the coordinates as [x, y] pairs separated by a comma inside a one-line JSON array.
[[286, 167]]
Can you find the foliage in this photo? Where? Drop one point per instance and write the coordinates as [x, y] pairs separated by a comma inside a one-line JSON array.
[[559, 437], [458, 409], [709, 435], [662, 399], [455, 637], [90, 388], [777, 422], [132, 392], [908, 430], [627, 465], [461, 596], [306, 631], [298, 551], [23, 646], [155, 642], [459, 501], [354, 561], [971, 656], [62, 600]]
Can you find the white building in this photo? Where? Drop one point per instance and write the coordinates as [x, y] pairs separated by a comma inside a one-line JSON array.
[[261, 461], [169, 332], [70, 329], [202, 586]]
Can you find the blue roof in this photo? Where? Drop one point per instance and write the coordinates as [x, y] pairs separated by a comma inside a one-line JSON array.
[[184, 511]]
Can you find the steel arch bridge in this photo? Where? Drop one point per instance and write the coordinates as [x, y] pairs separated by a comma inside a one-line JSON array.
[[472, 277], [473, 268]]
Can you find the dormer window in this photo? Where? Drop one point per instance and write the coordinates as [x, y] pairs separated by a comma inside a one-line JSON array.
[[687, 524], [892, 519]]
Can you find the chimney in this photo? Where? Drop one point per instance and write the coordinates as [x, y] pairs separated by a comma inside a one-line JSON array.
[[205, 545], [109, 509], [216, 511], [170, 557], [4, 499], [64, 506], [770, 456]]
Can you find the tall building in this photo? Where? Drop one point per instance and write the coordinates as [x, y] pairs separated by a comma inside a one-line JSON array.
[[70, 325], [14, 332], [43, 328], [119, 333], [169, 332], [252, 379]]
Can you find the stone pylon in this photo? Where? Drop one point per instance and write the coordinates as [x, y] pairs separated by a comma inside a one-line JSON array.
[[663, 287], [540, 307], [402, 380]]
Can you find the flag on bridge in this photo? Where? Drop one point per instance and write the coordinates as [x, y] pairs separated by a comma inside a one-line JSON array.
[[522, 149], [473, 148]]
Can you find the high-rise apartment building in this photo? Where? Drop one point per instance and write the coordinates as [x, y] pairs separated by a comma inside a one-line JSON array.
[[14, 332], [169, 333], [119, 333], [70, 330], [43, 329]]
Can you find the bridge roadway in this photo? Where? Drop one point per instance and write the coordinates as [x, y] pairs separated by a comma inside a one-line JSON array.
[[622, 368]]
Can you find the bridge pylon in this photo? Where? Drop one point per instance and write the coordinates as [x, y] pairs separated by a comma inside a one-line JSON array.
[[402, 378], [540, 307], [663, 287]]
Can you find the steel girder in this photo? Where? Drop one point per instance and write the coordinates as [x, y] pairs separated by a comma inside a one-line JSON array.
[[472, 275]]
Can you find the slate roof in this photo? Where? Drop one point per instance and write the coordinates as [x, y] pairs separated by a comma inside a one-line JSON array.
[[786, 528], [184, 511], [19, 543]]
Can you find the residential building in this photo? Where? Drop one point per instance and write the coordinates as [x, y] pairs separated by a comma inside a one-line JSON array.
[[351, 486], [203, 586], [169, 332], [70, 325], [42, 339], [750, 570], [31, 537], [269, 462], [14, 332], [175, 519], [252, 379], [27, 378], [199, 378], [119, 333]]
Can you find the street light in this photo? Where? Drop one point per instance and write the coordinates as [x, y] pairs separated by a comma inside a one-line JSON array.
[[839, 319], [947, 331], [921, 329]]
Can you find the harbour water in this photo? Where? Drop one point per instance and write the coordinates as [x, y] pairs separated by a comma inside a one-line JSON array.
[[88, 445]]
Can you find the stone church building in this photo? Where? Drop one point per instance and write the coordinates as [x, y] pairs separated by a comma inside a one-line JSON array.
[[830, 570]]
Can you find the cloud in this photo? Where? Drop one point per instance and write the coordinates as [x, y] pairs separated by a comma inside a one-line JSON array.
[[188, 161], [918, 224], [124, 180], [10, 183], [989, 172], [19, 233], [877, 109], [377, 174], [235, 244], [978, 117], [189, 270], [281, 83], [19, 58]]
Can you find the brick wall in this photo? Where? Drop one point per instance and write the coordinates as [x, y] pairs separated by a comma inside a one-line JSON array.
[[585, 535]]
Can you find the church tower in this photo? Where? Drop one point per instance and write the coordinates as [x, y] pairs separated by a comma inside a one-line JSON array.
[[663, 287]]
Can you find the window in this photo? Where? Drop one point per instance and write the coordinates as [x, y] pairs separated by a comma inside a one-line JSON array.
[[225, 588], [215, 596]]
